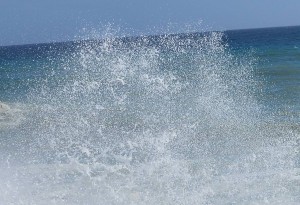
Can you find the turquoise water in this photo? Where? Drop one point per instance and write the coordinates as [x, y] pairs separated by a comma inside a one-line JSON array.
[[277, 51], [201, 118]]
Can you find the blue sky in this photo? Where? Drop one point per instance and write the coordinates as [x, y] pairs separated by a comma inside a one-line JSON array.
[[35, 21]]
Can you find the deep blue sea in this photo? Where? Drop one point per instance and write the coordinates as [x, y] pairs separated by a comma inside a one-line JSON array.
[[196, 118]]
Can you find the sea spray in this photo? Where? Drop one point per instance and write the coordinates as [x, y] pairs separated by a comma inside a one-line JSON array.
[[169, 119]]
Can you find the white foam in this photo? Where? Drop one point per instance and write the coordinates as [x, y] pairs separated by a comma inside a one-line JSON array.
[[175, 123], [10, 116]]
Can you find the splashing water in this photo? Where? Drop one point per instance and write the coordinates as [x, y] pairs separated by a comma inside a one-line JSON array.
[[169, 119]]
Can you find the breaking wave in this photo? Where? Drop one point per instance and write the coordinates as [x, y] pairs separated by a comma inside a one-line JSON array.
[[171, 119]]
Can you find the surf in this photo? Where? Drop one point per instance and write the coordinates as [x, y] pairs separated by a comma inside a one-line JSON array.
[[151, 120]]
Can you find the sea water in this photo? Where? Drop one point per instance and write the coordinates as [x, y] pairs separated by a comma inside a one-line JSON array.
[[196, 118]]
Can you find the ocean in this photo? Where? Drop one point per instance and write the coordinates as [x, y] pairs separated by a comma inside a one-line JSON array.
[[195, 118]]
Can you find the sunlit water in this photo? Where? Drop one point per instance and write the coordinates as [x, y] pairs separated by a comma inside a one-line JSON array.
[[176, 119]]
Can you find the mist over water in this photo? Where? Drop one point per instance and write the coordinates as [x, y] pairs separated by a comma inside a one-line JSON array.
[[171, 119]]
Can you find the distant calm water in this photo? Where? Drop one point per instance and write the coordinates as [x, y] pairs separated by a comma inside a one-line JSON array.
[[202, 118]]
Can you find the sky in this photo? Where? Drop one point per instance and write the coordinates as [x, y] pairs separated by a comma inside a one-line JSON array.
[[38, 21]]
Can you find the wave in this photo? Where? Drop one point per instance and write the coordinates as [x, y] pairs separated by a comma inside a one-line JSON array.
[[153, 120]]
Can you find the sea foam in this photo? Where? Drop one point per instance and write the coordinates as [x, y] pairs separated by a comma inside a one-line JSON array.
[[170, 119]]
